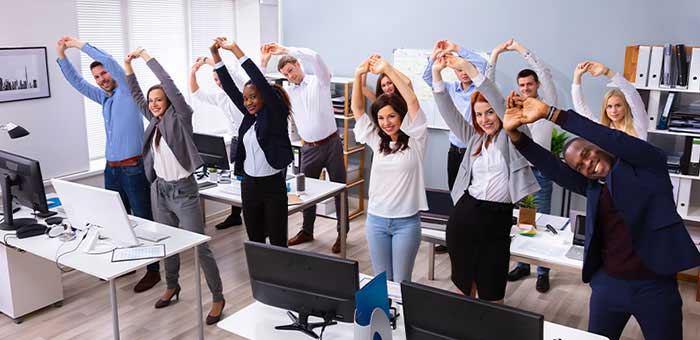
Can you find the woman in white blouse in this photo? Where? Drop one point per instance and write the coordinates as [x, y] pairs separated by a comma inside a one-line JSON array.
[[623, 108], [397, 188]]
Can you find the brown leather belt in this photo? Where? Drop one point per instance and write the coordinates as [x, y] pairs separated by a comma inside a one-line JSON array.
[[322, 141], [125, 162]]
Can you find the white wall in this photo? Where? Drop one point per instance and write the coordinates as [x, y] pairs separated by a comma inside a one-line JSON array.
[[56, 124]]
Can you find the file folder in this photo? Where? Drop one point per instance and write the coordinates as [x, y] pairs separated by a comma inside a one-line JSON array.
[[656, 66], [694, 70], [668, 80], [642, 66]]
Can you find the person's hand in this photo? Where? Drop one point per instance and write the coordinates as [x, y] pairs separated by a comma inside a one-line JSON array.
[[454, 62], [377, 64], [580, 69], [214, 48], [533, 110], [225, 44], [515, 46], [513, 117], [440, 61], [136, 53], [363, 68], [597, 69], [198, 63], [61, 48], [449, 46], [502, 47], [277, 49], [437, 49], [265, 54], [71, 42]]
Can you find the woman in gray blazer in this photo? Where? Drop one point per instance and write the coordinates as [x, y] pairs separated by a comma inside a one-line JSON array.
[[170, 159], [491, 178]]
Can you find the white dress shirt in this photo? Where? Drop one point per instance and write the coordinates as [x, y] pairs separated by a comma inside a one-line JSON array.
[[312, 108], [255, 163], [490, 176], [165, 164], [220, 100]]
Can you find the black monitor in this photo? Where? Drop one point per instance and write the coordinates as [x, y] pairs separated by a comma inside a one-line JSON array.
[[432, 313], [307, 283], [212, 149], [580, 230], [20, 178], [439, 206]]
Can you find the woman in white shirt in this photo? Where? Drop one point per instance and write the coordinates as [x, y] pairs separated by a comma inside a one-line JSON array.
[[623, 108], [492, 177], [397, 188]]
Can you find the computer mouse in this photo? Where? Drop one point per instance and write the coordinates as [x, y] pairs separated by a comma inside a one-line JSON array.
[[30, 230], [54, 220]]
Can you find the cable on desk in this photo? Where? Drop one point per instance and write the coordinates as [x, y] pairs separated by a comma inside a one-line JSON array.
[[58, 257]]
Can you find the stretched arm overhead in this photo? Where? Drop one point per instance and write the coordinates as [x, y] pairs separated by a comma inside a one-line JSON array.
[[358, 99], [135, 88], [491, 67], [76, 79], [366, 91], [308, 57], [174, 95], [194, 86], [446, 106], [444, 46], [577, 92], [107, 60], [379, 65]]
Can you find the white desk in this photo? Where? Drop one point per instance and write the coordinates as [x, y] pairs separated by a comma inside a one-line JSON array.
[[257, 321], [316, 192], [101, 265]]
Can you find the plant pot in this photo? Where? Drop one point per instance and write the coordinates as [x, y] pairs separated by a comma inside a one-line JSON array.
[[527, 216]]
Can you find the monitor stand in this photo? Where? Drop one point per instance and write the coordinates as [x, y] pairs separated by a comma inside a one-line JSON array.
[[303, 325], [48, 213], [10, 223], [17, 223]]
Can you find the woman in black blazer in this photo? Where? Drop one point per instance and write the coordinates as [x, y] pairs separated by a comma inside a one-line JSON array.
[[264, 149]]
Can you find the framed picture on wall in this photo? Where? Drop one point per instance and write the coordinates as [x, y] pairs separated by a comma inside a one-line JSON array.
[[24, 73]]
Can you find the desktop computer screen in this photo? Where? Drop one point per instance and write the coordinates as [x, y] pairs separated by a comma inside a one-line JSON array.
[[307, 283], [20, 179], [212, 149], [432, 313]]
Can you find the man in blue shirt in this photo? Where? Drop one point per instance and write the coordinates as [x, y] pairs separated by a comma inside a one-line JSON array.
[[124, 171], [461, 92]]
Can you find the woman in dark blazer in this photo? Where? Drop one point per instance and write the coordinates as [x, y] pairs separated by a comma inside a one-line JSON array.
[[264, 149]]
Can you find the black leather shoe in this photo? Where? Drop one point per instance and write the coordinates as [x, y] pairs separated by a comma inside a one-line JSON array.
[[165, 303], [147, 281], [542, 285], [518, 273], [230, 221]]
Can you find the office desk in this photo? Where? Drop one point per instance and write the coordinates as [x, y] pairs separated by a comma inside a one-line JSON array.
[[102, 267], [257, 321], [316, 192]]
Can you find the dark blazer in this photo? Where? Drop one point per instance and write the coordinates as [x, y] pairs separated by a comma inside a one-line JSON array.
[[270, 122], [175, 125], [641, 190]]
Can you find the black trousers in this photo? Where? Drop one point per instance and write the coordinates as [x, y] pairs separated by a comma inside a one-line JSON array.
[[265, 208], [454, 159], [235, 211]]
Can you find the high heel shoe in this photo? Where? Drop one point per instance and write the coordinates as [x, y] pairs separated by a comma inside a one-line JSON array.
[[165, 303], [214, 319]]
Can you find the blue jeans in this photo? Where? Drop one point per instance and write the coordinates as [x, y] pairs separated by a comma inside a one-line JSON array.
[[133, 188], [393, 245], [543, 200]]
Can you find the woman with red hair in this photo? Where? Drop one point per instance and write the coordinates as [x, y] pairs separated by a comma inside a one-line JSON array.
[[491, 178]]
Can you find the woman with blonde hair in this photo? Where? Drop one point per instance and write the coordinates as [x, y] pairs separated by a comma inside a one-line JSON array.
[[622, 108]]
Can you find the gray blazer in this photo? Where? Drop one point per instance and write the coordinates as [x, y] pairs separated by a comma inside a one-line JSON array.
[[175, 125], [521, 180]]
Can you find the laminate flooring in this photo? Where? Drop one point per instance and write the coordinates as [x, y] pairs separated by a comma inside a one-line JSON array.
[[86, 312]]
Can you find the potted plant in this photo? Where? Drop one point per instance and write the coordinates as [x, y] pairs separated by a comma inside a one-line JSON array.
[[558, 140], [528, 211]]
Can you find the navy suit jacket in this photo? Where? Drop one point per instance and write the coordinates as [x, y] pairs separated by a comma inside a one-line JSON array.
[[270, 122], [641, 190]]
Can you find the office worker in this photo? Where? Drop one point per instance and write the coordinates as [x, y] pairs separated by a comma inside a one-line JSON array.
[[124, 171], [530, 82], [384, 85], [232, 113], [636, 242], [492, 176], [264, 151], [623, 108], [313, 114], [170, 159], [397, 190]]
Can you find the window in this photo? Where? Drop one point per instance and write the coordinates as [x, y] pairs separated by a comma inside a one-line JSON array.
[[175, 34]]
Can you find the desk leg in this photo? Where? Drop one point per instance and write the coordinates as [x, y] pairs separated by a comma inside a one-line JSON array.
[[343, 223], [204, 214], [198, 288], [115, 314], [431, 261]]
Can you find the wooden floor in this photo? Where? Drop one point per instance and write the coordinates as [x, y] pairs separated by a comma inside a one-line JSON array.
[[86, 310]]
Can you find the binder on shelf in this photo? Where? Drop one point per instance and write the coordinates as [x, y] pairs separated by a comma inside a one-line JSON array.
[[663, 120], [682, 66], [690, 162], [642, 66], [656, 66], [694, 70], [667, 80]]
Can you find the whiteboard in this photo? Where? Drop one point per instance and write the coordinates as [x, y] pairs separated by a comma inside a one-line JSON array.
[[412, 63]]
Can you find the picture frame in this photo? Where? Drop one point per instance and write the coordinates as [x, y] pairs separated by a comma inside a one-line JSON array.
[[24, 73]]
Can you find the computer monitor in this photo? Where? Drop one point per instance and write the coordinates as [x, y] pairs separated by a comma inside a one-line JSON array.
[[212, 149], [88, 207], [432, 313], [439, 206], [307, 283], [20, 178], [580, 230]]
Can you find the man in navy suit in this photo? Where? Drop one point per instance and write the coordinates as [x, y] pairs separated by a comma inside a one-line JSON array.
[[636, 242]]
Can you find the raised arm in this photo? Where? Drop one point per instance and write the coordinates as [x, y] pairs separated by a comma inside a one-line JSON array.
[[577, 91], [74, 78], [107, 60], [194, 86], [446, 106], [308, 58], [491, 67], [358, 104], [548, 91], [174, 95], [135, 88], [366, 91], [379, 65], [227, 83]]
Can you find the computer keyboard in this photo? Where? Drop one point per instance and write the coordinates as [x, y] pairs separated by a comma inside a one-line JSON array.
[[575, 253], [206, 185], [149, 235]]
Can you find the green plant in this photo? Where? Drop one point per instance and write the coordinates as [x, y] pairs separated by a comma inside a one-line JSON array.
[[528, 202], [558, 140]]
